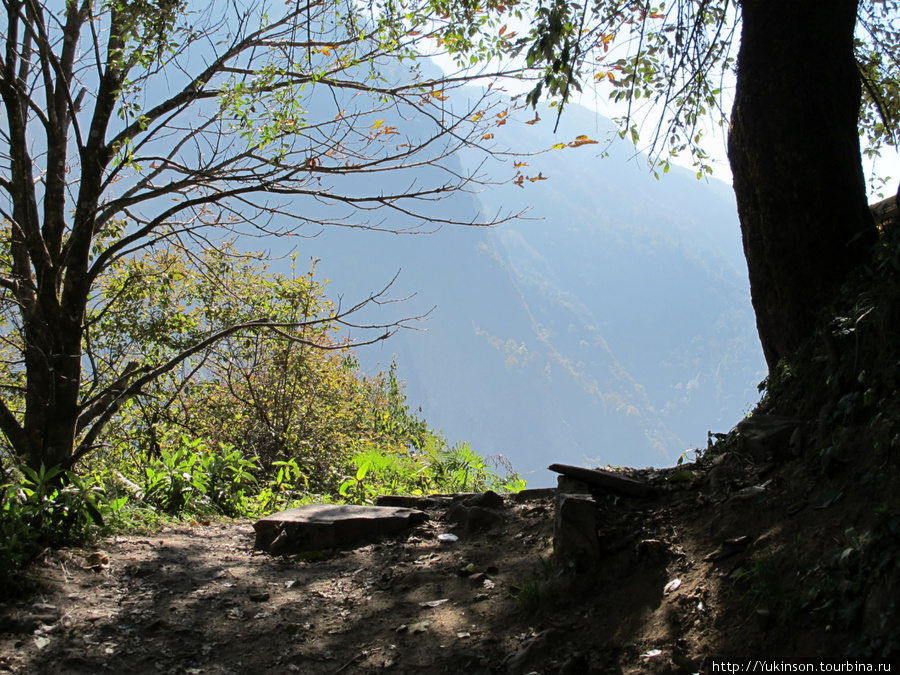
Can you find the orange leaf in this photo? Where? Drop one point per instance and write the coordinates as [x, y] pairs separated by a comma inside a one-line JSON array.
[[540, 176], [537, 118], [487, 137], [502, 30], [582, 140], [519, 165]]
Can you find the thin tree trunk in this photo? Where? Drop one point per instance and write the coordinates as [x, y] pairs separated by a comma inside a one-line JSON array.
[[794, 153]]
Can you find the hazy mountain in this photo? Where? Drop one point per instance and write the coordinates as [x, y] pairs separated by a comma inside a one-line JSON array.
[[613, 327]]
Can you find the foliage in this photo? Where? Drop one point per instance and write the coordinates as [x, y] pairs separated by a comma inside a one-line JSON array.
[[159, 125], [862, 570], [47, 507], [437, 467], [193, 479], [258, 421], [536, 592], [671, 62], [849, 373]]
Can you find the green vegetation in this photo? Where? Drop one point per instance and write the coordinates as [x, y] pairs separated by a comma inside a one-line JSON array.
[[847, 380], [256, 423]]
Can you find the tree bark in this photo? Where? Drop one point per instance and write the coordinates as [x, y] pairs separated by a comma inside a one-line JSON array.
[[795, 157]]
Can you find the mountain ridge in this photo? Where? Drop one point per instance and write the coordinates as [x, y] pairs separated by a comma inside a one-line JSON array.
[[616, 329]]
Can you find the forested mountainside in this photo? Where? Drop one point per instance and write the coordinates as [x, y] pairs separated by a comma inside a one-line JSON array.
[[611, 325]]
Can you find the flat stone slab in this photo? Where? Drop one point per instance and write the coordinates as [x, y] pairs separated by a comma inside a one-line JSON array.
[[410, 502], [606, 479], [317, 527]]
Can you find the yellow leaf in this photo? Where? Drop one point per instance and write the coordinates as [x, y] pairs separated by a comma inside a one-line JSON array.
[[377, 124], [558, 146]]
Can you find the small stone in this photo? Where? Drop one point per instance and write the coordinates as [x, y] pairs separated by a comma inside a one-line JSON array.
[[479, 518], [96, 561], [672, 586], [487, 500]]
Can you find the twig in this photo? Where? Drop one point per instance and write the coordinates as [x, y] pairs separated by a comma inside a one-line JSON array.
[[349, 663]]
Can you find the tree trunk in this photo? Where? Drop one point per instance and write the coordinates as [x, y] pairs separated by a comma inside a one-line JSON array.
[[794, 153]]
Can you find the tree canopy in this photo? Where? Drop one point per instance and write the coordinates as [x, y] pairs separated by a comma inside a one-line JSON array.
[[811, 81], [160, 125]]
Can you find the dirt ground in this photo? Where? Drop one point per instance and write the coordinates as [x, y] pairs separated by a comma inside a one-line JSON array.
[[706, 568]]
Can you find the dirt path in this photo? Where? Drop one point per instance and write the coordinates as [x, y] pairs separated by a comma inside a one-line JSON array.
[[679, 584]]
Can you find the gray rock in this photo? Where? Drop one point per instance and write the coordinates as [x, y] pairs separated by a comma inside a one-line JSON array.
[[317, 527], [487, 500], [474, 518], [575, 531], [532, 494], [409, 502], [479, 518], [606, 480], [457, 514], [765, 437], [572, 486]]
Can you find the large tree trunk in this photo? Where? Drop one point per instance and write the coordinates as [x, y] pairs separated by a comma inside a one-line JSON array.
[[794, 153]]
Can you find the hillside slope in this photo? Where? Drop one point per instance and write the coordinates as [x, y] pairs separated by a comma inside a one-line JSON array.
[[614, 325]]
